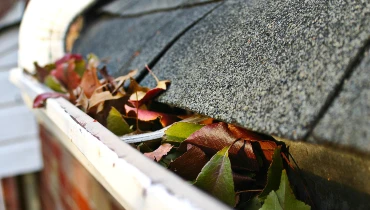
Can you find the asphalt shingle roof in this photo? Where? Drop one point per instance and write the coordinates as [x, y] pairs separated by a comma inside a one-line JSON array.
[[285, 68]]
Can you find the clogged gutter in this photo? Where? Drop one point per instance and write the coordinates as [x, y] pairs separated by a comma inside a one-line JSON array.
[[244, 169]]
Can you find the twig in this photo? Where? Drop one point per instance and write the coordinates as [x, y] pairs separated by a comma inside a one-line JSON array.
[[245, 191], [150, 71], [299, 175]]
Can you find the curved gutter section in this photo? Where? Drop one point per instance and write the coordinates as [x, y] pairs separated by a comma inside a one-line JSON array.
[[135, 181], [43, 28]]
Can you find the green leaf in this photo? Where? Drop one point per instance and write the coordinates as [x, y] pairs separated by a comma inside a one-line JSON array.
[[286, 196], [80, 67], [273, 174], [283, 198], [54, 84], [92, 61], [143, 147], [216, 177], [180, 131], [272, 202], [252, 204], [116, 123], [170, 157]]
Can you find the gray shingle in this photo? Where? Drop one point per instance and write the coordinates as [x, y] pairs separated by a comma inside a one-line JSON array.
[[266, 65], [130, 43], [137, 7], [347, 122]]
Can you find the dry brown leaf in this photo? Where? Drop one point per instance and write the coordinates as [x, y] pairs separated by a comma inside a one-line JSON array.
[[100, 97], [121, 80], [159, 152], [90, 82], [82, 102]]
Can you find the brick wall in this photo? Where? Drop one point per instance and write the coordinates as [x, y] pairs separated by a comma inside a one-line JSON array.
[[11, 196], [65, 184]]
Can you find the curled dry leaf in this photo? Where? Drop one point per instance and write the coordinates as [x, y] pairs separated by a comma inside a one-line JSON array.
[[82, 102], [159, 152], [146, 115], [40, 99], [122, 79], [211, 138], [150, 95], [242, 133], [135, 87], [207, 121], [100, 97], [190, 163], [89, 82], [214, 137], [268, 148]]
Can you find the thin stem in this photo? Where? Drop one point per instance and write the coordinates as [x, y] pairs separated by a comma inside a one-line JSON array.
[[137, 113], [150, 71], [245, 191], [300, 176]]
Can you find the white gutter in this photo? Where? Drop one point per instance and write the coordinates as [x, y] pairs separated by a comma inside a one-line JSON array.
[[43, 28], [134, 180]]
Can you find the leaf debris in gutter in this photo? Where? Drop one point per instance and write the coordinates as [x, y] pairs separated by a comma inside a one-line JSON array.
[[240, 167]]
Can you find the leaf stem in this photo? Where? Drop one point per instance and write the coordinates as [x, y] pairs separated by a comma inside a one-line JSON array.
[[245, 191], [299, 172], [137, 113], [150, 71]]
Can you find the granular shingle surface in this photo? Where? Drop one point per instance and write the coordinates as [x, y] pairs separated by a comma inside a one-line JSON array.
[[347, 121], [267, 65], [139, 7], [130, 43]]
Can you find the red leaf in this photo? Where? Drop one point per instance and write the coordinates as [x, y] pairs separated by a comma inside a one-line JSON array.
[[161, 86], [148, 96], [190, 163], [67, 57], [242, 182], [159, 152], [40, 99], [214, 137], [268, 148], [146, 115], [66, 75], [42, 72], [239, 132]]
